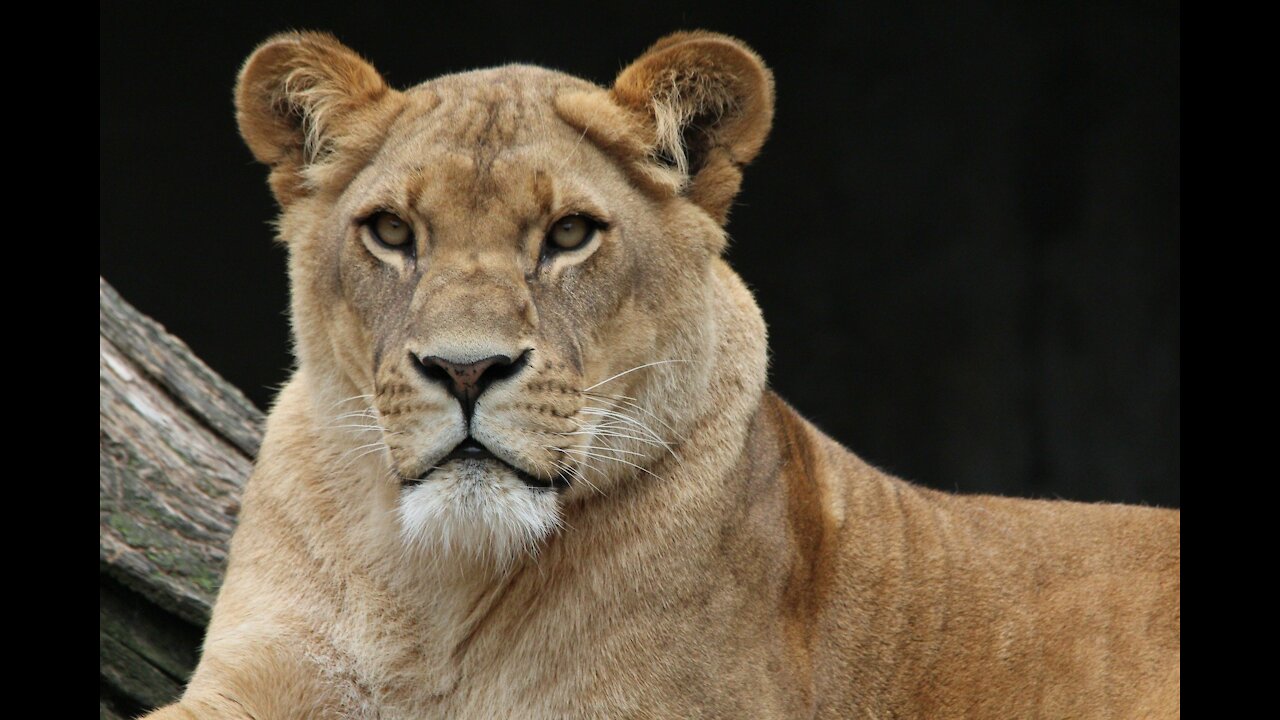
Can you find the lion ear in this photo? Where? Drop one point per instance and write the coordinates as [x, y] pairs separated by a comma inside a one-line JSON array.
[[302, 99], [707, 100]]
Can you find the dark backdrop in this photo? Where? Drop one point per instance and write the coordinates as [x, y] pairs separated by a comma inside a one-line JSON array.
[[964, 230]]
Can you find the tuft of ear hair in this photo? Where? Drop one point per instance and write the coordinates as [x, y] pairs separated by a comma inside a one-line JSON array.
[[303, 96], [706, 100]]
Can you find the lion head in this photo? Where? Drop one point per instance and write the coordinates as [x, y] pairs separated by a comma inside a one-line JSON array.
[[504, 282]]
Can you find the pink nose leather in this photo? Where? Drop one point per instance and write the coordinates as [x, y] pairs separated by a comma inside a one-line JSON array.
[[467, 381], [466, 377]]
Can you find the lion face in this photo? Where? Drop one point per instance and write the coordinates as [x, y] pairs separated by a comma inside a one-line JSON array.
[[500, 278]]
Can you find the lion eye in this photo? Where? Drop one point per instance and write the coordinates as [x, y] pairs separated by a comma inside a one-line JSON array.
[[390, 230], [571, 232]]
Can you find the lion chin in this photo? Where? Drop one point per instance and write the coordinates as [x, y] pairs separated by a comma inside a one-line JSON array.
[[478, 512]]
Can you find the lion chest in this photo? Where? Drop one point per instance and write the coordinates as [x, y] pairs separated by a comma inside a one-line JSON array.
[[556, 655], [454, 655]]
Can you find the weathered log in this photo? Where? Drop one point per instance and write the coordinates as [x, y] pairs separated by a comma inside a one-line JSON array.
[[176, 444]]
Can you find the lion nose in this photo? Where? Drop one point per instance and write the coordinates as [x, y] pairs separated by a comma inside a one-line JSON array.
[[467, 380]]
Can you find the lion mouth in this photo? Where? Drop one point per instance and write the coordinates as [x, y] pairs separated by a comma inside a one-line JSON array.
[[473, 451], [470, 449]]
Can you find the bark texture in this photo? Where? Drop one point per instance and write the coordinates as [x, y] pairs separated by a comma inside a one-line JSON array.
[[176, 444]]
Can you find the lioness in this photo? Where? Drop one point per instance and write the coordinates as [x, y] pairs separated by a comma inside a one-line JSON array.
[[528, 465]]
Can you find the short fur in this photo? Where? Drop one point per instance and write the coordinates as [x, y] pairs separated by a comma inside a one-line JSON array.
[[714, 554]]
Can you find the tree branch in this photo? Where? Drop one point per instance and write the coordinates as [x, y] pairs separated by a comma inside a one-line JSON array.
[[176, 445]]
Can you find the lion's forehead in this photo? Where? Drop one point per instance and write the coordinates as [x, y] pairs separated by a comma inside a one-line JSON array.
[[488, 141], [487, 112]]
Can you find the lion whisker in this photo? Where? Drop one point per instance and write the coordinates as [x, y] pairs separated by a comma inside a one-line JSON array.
[[607, 445], [654, 440], [608, 458], [628, 372], [575, 472], [589, 410], [371, 447], [353, 397], [614, 414], [608, 448], [635, 404], [605, 425], [367, 452], [622, 436], [361, 427]]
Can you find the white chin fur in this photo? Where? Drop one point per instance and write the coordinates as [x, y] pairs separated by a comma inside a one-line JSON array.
[[468, 512]]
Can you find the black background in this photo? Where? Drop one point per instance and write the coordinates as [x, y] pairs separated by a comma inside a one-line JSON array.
[[964, 231]]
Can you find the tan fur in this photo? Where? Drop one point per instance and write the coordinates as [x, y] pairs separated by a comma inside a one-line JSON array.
[[715, 555]]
